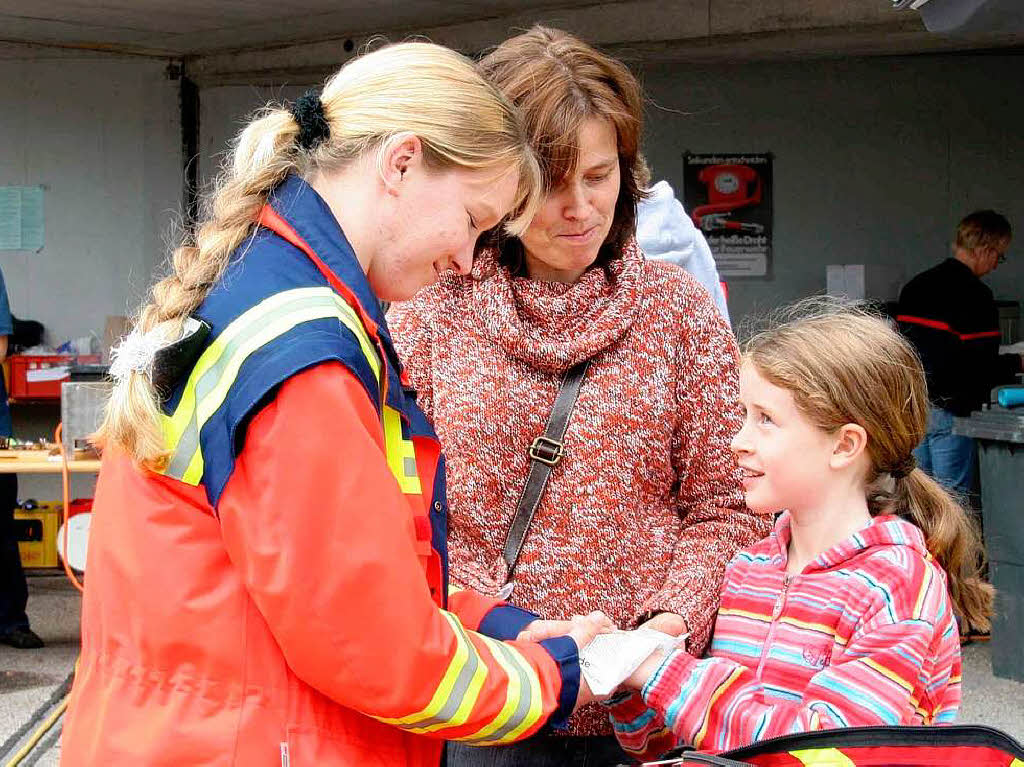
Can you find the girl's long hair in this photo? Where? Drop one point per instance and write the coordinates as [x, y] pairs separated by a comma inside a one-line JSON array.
[[845, 364]]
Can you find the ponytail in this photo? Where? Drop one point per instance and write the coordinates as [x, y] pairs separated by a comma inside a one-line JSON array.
[[264, 155], [953, 539]]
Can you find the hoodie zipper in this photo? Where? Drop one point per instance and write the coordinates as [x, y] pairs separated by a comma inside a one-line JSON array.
[[780, 603]]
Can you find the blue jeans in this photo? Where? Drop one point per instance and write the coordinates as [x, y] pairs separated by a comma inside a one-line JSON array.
[[543, 751], [947, 457]]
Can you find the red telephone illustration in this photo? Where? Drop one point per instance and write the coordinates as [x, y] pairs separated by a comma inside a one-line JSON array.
[[729, 188]]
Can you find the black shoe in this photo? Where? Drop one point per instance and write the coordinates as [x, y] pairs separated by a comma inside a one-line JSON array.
[[22, 638]]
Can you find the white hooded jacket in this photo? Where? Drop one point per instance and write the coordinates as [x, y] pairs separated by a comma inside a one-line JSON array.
[[666, 233]]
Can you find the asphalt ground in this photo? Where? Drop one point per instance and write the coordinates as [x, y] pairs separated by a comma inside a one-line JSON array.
[[31, 678]]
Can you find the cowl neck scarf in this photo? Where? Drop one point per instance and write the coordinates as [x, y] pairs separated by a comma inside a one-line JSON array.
[[553, 325]]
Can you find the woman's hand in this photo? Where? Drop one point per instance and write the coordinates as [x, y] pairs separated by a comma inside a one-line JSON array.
[[672, 624], [582, 628]]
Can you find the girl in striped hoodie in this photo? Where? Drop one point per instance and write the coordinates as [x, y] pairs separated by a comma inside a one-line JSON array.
[[847, 613]]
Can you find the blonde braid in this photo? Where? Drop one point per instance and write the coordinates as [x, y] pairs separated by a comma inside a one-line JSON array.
[[264, 155]]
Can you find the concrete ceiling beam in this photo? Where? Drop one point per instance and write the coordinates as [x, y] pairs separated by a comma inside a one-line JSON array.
[[644, 30]]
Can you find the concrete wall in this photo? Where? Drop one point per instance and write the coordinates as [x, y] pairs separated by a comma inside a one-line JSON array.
[[223, 112], [104, 137], [876, 159]]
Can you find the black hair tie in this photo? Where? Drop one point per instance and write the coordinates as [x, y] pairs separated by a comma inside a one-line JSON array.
[[903, 468], [308, 111]]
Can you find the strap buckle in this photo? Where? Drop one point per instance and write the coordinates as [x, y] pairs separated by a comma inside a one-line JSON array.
[[546, 450]]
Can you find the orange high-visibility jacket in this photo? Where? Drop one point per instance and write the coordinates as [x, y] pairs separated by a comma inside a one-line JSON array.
[[278, 596]]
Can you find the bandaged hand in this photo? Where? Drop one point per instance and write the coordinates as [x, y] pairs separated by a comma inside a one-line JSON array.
[[582, 629]]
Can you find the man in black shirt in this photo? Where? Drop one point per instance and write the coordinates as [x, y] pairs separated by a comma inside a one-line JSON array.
[[949, 315]]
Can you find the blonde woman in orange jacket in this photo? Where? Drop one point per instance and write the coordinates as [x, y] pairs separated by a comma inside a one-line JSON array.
[[267, 579]]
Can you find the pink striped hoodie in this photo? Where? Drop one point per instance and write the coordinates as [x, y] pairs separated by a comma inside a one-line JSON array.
[[865, 635]]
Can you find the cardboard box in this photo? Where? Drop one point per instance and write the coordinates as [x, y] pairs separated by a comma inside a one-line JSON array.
[[116, 328]]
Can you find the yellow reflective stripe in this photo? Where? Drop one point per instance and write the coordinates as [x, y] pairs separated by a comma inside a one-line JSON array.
[[528, 700], [193, 470], [401, 453], [179, 420], [1016, 763], [512, 696], [536, 705], [218, 366], [209, 404], [462, 697], [451, 674], [456, 697], [823, 757]]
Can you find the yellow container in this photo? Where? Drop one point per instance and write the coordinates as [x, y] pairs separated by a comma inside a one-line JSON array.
[[37, 534]]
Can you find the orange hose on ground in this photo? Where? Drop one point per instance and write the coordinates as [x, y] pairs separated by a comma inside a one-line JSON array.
[[65, 508]]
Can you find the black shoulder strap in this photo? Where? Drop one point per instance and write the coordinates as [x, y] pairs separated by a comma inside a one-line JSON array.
[[545, 453]]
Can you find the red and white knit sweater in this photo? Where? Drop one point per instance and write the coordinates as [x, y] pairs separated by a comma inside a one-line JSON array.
[[645, 509]]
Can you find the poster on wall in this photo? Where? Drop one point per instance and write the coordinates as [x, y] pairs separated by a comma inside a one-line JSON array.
[[729, 198], [21, 218]]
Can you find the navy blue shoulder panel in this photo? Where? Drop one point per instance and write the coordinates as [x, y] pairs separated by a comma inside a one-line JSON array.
[[302, 347], [311, 218], [265, 266]]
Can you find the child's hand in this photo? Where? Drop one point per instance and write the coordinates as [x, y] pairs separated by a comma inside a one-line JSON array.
[[585, 695], [638, 678]]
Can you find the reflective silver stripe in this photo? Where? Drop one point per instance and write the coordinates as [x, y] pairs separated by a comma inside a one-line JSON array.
[[459, 688], [525, 699], [186, 447]]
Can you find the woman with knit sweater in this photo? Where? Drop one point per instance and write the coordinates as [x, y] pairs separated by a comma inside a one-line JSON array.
[[644, 508]]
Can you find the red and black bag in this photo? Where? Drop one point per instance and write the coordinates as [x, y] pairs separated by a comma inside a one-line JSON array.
[[972, 745]]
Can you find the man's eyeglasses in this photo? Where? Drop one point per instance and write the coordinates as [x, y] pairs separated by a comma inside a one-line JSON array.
[[1000, 254]]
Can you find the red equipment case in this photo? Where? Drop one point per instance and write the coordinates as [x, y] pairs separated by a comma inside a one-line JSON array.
[[22, 365]]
